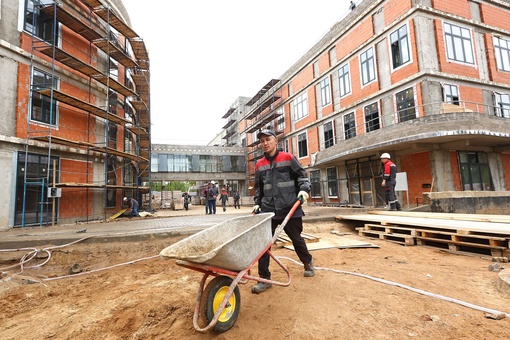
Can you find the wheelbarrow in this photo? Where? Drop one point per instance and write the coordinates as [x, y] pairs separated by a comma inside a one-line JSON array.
[[227, 251]]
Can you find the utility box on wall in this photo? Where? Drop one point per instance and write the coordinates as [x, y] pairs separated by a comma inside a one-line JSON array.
[[54, 192]]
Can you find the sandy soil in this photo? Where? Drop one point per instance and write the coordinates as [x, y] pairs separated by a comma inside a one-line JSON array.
[[154, 298]]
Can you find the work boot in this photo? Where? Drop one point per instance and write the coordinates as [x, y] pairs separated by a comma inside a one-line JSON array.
[[309, 269], [260, 287], [392, 207], [398, 206]]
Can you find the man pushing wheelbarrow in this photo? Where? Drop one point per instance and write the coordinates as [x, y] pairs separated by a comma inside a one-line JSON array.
[[279, 178], [229, 249]]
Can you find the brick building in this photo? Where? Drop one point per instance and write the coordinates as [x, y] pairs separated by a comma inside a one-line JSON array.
[[75, 136], [424, 80]]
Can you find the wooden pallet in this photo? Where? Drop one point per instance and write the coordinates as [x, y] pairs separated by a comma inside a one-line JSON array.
[[284, 240], [454, 240], [459, 242], [405, 239]]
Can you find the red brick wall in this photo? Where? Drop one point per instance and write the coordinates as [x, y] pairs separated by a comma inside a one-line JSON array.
[[302, 79], [394, 9], [457, 7], [495, 16], [74, 201], [324, 62], [417, 167], [471, 96], [354, 38]]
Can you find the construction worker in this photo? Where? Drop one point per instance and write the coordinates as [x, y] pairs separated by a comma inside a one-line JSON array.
[[389, 176]]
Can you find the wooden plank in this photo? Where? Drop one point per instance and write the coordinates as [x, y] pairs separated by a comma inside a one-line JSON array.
[[467, 226], [117, 214], [397, 238], [446, 216], [284, 240]]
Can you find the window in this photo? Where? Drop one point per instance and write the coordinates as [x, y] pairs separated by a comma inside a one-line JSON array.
[[367, 66], [502, 52], [154, 162], [31, 191], [475, 171], [405, 105], [301, 106], [281, 123], [344, 80], [458, 44], [329, 135], [43, 109], [332, 182], [315, 183], [302, 145], [502, 103], [37, 22], [349, 125], [451, 94], [286, 146], [372, 117], [399, 47], [325, 91]]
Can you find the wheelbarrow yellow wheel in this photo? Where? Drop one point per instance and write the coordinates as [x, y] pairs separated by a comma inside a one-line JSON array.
[[214, 293]]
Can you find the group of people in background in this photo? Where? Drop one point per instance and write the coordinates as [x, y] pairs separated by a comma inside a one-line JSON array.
[[212, 194]]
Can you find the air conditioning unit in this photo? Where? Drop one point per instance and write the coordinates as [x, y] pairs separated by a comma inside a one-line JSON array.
[[54, 192]]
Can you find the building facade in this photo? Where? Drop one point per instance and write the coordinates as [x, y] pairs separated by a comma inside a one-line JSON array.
[[75, 94], [424, 80]]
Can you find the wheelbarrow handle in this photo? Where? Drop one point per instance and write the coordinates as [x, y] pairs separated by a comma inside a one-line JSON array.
[[284, 223]]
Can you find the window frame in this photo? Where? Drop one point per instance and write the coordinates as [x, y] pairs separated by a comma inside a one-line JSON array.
[[448, 96], [369, 124], [502, 58], [43, 99], [38, 27], [325, 90], [367, 63], [350, 132], [315, 183], [329, 135], [332, 190], [501, 108], [399, 42], [459, 46], [300, 106], [302, 148], [398, 111], [344, 80]]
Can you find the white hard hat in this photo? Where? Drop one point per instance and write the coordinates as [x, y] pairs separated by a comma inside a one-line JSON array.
[[213, 182], [385, 155], [125, 199]]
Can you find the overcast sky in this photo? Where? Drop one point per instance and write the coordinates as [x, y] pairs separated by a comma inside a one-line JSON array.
[[204, 54]]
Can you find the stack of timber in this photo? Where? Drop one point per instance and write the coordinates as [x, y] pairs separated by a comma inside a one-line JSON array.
[[483, 234]]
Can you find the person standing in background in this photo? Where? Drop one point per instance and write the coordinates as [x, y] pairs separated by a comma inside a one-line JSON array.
[[389, 176]]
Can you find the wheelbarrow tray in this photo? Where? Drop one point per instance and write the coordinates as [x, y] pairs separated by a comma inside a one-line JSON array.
[[233, 244]]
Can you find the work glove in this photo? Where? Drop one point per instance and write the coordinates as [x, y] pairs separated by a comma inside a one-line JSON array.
[[256, 209], [302, 196]]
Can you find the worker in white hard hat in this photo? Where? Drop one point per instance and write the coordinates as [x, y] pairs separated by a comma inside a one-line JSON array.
[[389, 176]]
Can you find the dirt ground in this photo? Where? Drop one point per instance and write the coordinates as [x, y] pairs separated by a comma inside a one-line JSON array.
[[155, 298]]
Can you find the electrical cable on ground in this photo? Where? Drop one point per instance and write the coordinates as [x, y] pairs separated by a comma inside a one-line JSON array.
[[419, 291]]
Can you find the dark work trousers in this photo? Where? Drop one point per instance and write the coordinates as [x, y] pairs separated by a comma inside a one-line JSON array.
[[293, 229], [390, 190]]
